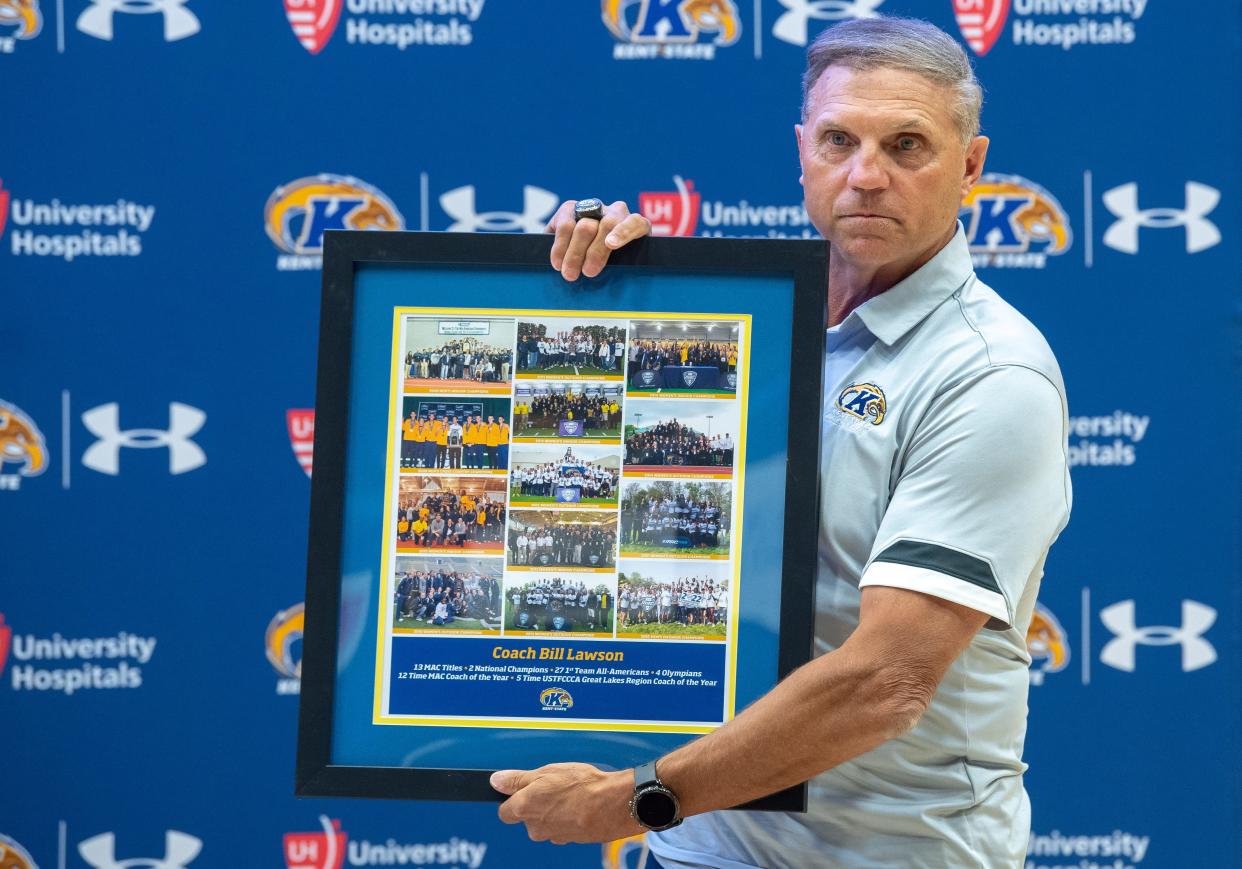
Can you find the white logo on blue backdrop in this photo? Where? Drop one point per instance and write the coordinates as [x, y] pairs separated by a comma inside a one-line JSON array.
[[105, 454], [1201, 233], [180, 849], [179, 22], [1197, 652], [791, 26], [537, 206]]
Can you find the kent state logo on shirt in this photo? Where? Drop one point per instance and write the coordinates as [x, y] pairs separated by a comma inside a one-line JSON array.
[[1012, 222], [298, 213], [865, 401]]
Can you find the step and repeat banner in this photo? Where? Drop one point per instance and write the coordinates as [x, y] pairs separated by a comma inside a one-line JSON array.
[[167, 171]]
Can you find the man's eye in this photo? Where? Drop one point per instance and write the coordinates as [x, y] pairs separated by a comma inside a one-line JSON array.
[[837, 139], [907, 143]]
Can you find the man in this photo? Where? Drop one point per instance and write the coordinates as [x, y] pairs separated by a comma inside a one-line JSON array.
[[943, 487]]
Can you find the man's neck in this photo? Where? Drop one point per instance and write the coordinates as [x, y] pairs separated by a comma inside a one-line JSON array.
[[851, 284]]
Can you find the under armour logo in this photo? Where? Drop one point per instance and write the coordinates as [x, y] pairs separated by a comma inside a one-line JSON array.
[[180, 849], [791, 26], [1201, 233], [179, 22], [537, 206], [1196, 651], [183, 454]]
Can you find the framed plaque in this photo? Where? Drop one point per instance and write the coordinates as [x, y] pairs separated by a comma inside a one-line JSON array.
[[554, 521]]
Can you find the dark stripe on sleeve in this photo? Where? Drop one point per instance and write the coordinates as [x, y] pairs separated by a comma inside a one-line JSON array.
[[942, 560]]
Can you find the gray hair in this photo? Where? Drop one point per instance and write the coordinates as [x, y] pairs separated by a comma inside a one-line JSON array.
[[900, 43]]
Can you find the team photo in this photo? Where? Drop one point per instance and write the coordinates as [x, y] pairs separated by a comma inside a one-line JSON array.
[[455, 433], [438, 595], [557, 604], [568, 539], [571, 347], [689, 437], [585, 474], [589, 411], [447, 514], [670, 599], [452, 355], [665, 519], [696, 357]]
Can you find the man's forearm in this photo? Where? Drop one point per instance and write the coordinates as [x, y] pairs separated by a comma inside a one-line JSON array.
[[830, 710]]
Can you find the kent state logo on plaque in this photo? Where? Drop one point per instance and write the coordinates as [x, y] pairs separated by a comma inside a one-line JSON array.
[[864, 401], [555, 699]]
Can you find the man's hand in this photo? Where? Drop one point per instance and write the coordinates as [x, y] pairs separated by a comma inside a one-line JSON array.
[[568, 802], [583, 247]]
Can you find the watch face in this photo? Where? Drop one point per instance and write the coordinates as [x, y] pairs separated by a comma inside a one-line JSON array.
[[656, 809]]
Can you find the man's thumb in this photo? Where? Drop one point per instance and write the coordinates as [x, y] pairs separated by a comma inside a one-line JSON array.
[[507, 781]]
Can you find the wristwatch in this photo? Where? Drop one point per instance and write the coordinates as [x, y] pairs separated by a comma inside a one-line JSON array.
[[653, 805]]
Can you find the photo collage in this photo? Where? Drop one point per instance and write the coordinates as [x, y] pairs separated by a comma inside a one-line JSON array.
[[565, 474]]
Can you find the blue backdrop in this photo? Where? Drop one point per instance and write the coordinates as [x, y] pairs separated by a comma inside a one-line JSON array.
[[166, 179]]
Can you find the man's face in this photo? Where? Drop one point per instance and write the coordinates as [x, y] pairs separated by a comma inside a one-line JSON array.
[[883, 166]]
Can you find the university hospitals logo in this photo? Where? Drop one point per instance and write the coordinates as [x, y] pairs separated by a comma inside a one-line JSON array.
[[70, 230], [981, 22], [865, 401], [301, 424], [65, 665], [23, 450], [1047, 644], [331, 848], [298, 213], [99, 19], [680, 211], [671, 29], [1059, 24], [1013, 223], [791, 26], [19, 19], [283, 642], [1201, 233], [14, 856], [313, 21]]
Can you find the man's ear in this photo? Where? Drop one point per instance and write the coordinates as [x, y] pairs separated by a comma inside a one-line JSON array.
[[798, 138], [976, 155]]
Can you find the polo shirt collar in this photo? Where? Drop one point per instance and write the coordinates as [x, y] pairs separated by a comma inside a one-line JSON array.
[[896, 311]]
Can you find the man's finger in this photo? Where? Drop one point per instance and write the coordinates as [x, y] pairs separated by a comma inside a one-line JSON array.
[[597, 252], [584, 233], [562, 223], [510, 811], [632, 227]]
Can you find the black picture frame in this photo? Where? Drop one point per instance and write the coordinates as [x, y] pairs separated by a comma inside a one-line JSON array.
[[804, 262]]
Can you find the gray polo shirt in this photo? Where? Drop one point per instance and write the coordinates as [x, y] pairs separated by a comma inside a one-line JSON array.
[[944, 471]]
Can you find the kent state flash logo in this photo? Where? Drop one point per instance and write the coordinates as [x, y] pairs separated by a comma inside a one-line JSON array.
[[298, 213], [1012, 222], [23, 449], [283, 642], [555, 699], [865, 401], [1047, 644], [14, 856], [684, 29], [19, 19]]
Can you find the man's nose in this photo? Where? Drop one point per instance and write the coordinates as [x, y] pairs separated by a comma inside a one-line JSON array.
[[867, 170]]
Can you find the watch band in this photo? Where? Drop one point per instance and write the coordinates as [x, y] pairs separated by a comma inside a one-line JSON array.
[[646, 774]]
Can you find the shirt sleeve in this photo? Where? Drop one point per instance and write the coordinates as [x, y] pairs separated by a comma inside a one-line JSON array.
[[982, 492]]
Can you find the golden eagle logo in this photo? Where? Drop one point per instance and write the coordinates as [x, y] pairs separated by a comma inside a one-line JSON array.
[[23, 14], [1011, 214], [298, 213], [697, 16], [284, 632], [1047, 644], [21, 442], [865, 401]]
